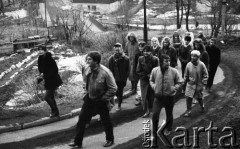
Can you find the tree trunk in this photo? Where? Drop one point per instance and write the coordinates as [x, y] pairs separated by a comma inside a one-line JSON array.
[[1, 6], [177, 8], [187, 13]]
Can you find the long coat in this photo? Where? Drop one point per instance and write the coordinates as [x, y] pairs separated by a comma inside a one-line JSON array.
[[196, 77], [49, 69], [144, 69], [131, 50]]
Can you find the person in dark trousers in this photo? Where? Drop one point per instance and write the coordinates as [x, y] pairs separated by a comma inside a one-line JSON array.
[[165, 81], [119, 65], [100, 90], [131, 50], [145, 65], [185, 54], [198, 45], [195, 77], [214, 60], [49, 72], [141, 47], [166, 48]]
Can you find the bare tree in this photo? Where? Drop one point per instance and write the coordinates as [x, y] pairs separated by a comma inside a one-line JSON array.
[[75, 25], [179, 7], [1, 7], [188, 7]]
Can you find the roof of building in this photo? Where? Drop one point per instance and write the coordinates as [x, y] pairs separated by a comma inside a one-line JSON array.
[[95, 1]]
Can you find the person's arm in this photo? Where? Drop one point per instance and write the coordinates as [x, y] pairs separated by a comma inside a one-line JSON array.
[[152, 79], [128, 66], [139, 69], [111, 87], [204, 75], [177, 81]]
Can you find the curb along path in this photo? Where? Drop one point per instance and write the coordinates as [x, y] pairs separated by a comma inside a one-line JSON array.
[[46, 120]]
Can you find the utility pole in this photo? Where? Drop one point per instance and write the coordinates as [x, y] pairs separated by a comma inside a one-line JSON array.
[[145, 32], [224, 2]]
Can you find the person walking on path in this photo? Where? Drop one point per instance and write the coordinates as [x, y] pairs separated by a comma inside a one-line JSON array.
[[195, 78], [198, 45], [166, 48], [145, 65], [49, 73], [214, 60], [131, 50], [138, 96], [100, 90], [185, 54], [119, 65], [165, 81], [155, 45]]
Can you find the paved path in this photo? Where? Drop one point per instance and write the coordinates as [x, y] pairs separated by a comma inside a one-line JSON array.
[[123, 132]]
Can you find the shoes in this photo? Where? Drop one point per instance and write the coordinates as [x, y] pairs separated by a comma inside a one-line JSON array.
[[54, 116], [187, 114], [108, 143], [75, 145], [118, 109], [146, 115]]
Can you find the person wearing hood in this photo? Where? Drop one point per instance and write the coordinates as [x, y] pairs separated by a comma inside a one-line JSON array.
[[155, 45], [166, 48], [176, 41], [196, 76], [119, 65], [188, 34], [214, 60], [131, 50], [145, 65], [198, 45]]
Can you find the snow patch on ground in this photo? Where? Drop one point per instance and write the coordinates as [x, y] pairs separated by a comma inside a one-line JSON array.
[[17, 14]]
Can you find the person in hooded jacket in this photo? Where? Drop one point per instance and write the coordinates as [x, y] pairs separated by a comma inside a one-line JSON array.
[[131, 50]]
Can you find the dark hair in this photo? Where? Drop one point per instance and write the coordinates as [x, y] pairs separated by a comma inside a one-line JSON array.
[[44, 48], [187, 38], [142, 43], [162, 57], [95, 55], [147, 48]]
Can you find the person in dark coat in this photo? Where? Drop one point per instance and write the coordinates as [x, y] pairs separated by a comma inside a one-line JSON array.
[[176, 41], [145, 65], [166, 48], [42, 51], [119, 65], [49, 71], [214, 60], [201, 36], [185, 54], [141, 46], [198, 45]]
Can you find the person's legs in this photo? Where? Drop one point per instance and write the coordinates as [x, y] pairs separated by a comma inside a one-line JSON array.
[[169, 112], [49, 98], [84, 116], [212, 73], [119, 93], [200, 101], [105, 118], [189, 106], [157, 106]]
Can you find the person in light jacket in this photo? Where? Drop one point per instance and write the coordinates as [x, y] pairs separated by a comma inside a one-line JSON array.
[[165, 81], [196, 76]]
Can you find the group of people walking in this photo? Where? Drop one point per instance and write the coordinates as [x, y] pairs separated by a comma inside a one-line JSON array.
[[154, 65]]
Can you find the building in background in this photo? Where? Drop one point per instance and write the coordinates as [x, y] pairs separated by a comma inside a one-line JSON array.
[[101, 6]]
